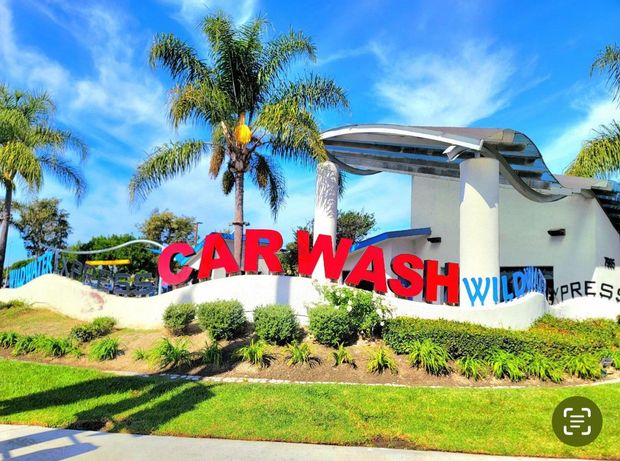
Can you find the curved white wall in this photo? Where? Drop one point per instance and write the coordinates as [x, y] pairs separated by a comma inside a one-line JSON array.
[[517, 314], [586, 307], [79, 301]]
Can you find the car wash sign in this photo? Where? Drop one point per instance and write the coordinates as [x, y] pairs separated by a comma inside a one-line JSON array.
[[44, 264], [413, 275]]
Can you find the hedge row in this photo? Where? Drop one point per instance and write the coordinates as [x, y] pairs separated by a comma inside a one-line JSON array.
[[469, 340], [601, 330]]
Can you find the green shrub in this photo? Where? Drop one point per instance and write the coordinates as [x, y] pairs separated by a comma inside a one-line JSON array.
[[507, 365], [366, 310], [603, 331], [24, 345], [100, 326], [330, 326], [430, 356], [300, 353], [82, 333], [584, 366], [211, 355], [615, 357], [221, 319], [8, 339], [14, 304], [276, 323], [465, 339], [141, 354], [55, 347], [105, 349], [539, 366], [342, 355], [177, 317], [381, 360], [166, 353], [254, 353], [472, 367]]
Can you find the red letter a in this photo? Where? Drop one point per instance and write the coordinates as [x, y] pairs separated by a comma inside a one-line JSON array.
[[208, 262], [333, 263], [371, 268], [254, 249]]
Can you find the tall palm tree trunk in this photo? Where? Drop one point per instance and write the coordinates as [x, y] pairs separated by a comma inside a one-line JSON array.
[[238, 222], [4, 227]]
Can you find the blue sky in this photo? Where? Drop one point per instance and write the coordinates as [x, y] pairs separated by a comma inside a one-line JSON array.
[[522, 65]]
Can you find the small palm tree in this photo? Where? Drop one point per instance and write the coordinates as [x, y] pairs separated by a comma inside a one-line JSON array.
[[600, 156], [255, 114], [31, 146]]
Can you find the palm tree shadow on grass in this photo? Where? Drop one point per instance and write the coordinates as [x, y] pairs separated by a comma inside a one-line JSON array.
[[157, 401]]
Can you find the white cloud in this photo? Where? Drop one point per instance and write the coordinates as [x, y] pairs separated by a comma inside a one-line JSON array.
[[190, 12], [345, 54], [448, 89], [25, 64], [593, 112]]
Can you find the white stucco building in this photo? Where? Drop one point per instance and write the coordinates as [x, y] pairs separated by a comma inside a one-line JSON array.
[[483, 198]]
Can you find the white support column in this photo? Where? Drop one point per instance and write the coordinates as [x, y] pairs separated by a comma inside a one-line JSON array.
[[325, 208], [479, 224]]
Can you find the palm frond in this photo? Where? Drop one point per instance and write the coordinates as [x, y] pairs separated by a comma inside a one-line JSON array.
[[608, 61], [18, 160], [251, 33], [313, 92], [217, 158], [228, 182], [293, 133], [166, 162], [219, 30], [57, 141], [65, 173], [200, 101], [599, 156], [218, 151], [236, 59], [180, 58], [270, 181], [281, 51], [37, 107]]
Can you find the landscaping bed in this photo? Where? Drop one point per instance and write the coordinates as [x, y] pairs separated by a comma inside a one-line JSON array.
[[187, 337]]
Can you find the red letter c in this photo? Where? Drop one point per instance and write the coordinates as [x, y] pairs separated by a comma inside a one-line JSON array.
[[165, 258]]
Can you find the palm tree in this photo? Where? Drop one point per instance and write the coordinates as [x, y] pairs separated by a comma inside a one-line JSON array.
[[600, 156], [255, 114], [31, 146]]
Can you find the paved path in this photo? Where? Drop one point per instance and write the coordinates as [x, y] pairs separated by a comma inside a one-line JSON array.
[[21, 443]]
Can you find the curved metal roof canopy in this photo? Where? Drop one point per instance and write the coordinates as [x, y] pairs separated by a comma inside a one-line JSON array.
[[438, 151]]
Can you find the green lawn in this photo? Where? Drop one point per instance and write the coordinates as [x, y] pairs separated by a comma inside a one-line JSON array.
[[498, 421]]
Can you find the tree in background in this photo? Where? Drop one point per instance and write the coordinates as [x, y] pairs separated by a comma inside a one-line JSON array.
[[42, 223], [142, 259], [600, 156], [165, 227], [30, 147], [255, 113], [354, 225]]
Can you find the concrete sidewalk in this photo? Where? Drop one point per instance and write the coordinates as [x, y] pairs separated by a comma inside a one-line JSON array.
[[21, 443]]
